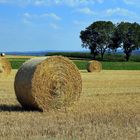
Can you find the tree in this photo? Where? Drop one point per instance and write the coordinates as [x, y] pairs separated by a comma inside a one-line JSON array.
[[115, 44], [90, 39], [127, 36], [97, 37]]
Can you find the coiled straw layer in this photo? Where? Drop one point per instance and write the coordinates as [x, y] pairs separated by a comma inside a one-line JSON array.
[[44, 83], [94, 66], [5, 67]]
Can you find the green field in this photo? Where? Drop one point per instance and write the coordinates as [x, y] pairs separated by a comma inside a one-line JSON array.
[[86, 55], [81, 64], [17, 62]]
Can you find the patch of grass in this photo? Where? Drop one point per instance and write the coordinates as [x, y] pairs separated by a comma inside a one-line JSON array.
[[111, 65], [17, 62], [135, 58], [82, 64], [121, 65]]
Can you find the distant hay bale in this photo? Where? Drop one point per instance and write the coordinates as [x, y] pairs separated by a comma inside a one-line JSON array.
[[2, 54], [5, 67], [48, 82], [94, 66]]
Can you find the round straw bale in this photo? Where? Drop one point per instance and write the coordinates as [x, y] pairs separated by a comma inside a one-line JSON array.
[[48, 82], [2, 54], [5, 67], [94, 66]]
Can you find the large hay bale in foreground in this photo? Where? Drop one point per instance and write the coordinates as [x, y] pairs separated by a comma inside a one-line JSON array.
[[94, 66], [44, 83], [5, 67]]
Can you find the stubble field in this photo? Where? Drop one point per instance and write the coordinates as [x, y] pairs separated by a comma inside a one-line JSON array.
[[109, 108]]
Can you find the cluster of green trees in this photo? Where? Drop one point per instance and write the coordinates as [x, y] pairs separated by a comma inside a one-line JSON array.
[[101, 36]]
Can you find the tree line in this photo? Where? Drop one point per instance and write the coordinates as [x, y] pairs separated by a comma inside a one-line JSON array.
[[101, 36]]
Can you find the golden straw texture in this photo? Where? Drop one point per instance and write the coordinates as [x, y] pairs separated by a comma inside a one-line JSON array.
[[5, 67], [94, 66], [44, 83]]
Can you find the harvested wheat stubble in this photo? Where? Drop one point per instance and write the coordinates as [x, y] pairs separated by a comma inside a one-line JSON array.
[[48, 82], [94, 66], [5, 67]]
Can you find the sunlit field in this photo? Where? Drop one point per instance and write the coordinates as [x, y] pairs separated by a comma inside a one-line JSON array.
[[109, 108], [82, 64], [74, 65]]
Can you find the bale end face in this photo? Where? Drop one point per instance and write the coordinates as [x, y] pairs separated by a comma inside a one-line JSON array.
[[44, 83], [94, 66]]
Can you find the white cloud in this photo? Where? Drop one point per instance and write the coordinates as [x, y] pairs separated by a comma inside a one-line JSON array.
[[77, 22], [132, 2], [100, 1], [54, 26], [86, 10], [33, 19], [39, 2], [44, 15], [8, 1], [121, 12], [27, 15], [51, 2], [52, 15], [26, 21], [3, 1], [73, 2], [81, 24], [25, 2]]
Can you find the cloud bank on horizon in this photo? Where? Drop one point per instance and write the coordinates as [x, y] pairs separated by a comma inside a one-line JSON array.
[[31, 25]]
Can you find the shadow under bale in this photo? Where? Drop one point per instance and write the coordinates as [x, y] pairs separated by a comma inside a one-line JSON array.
[[16, 108]]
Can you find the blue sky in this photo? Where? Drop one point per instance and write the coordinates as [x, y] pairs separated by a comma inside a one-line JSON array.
[[32, 25]]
